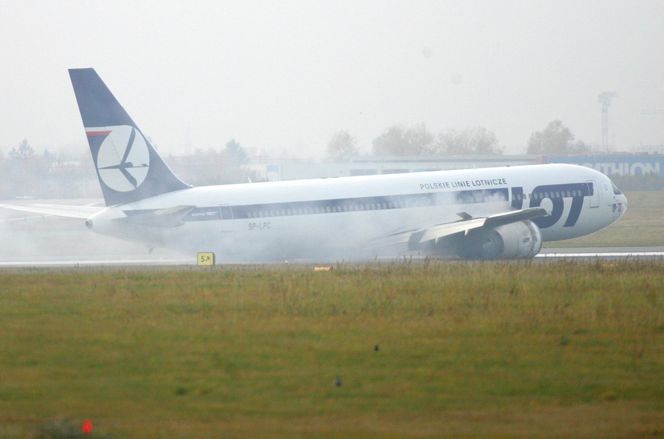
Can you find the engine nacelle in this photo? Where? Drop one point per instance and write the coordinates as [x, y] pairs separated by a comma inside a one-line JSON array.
[[520, 240]]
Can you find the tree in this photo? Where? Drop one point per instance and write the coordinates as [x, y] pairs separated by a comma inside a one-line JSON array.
[[390, 142], [48, 157], [234, 153], [477, 140], [23, 152], [342, 147], [24, 170], [398, 140], [555, 138]]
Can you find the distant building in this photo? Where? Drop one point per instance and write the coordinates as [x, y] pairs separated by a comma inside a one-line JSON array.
[[78, 179], [292, 169], [617, 165], [613, 165]]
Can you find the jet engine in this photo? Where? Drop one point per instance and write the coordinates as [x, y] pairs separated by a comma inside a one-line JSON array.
[[519, 240]]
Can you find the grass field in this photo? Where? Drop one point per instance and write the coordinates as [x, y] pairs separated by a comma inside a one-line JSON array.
[[642, 225], [463, 349]]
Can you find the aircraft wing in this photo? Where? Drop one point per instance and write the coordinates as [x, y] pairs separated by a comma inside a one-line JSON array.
[[465, 225], [67, 211]]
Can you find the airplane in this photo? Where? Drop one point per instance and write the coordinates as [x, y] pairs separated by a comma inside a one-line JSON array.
[[492, 213]]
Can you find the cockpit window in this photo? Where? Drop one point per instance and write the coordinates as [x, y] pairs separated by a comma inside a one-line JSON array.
[[616, 190]]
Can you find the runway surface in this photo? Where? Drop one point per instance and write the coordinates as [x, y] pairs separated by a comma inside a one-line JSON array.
[[602, 253], [96, 263], [551, 254]]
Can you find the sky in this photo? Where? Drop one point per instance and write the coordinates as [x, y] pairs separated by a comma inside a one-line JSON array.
[[283, 76]]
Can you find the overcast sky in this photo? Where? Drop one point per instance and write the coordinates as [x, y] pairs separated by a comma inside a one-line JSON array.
[[287, 74]]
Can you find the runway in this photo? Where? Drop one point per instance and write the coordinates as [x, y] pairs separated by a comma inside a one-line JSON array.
[[550, 254], [97, 263], [627, 253]]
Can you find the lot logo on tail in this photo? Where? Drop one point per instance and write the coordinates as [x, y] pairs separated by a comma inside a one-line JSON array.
[[123, 159]]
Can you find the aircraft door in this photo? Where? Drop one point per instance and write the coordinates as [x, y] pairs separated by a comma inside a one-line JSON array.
[[594, 190]]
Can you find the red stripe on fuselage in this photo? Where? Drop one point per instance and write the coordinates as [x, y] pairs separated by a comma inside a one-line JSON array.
[[97, 133]]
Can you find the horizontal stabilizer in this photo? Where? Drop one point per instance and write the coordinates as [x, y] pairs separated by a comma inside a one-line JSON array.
[[67, 211]]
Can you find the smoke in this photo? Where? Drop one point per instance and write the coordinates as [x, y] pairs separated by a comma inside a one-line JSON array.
[[377, 228], [27, 238]]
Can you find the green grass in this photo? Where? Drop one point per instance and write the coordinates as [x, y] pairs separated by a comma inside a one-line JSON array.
[[465, 349], [642, 225]]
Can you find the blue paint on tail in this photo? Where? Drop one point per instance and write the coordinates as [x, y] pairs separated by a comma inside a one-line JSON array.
[[128, 167]]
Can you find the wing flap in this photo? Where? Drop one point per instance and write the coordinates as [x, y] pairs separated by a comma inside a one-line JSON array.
[[442, 230], [514, 216]]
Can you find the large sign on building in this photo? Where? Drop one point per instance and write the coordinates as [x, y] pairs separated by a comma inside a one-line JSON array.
[[617, 164]]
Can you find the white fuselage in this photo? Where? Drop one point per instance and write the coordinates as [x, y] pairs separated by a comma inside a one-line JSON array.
[[347, 218]]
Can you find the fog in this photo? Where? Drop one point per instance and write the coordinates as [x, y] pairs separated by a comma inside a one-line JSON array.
[[283, 76]]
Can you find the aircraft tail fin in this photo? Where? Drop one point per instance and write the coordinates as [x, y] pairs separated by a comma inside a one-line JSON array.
[[128, 167]]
